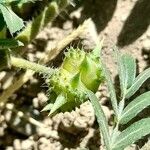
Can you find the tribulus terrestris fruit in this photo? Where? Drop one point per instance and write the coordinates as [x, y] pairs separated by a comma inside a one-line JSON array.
[[68, 84]]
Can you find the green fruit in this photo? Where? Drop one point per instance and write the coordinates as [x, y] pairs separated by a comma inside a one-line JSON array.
[[79, 71]]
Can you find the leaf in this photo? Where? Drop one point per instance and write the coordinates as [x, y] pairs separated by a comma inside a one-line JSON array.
[[111, 89], [101, 118], [139, 80], [126, 70], [115, 133], [9, 43], [129, 68], [13, 22], [134, 107], [121, 71], [133, 133]]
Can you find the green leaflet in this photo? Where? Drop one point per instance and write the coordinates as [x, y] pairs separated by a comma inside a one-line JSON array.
[[129, 69], [134, 107], [139, 80], [121, 71], [4, 58], [133, 133], [127, 72], [111, 89], [13, 22]]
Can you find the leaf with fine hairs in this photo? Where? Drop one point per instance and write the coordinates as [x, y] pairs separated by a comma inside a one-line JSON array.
[[134, 107], [139, 80], [111, 89], [129, 69], [101, 118], [131, 134], [13, 22], [126, 69], [121, 71]]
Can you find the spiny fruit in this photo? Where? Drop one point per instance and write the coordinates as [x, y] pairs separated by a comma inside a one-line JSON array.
[[79, 71]]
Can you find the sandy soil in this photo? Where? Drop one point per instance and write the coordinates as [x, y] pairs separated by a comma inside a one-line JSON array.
[[124, 23]]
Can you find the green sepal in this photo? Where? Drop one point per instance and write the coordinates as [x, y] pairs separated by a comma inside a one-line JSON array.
[[60, 101], [47, 107]]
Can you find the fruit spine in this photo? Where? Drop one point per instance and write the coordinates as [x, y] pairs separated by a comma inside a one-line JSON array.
[[68, 84]]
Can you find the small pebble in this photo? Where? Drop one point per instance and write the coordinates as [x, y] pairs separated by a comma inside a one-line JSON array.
[[146, 45], [17, 144], [2, 131], [27, 145], [9, 148]]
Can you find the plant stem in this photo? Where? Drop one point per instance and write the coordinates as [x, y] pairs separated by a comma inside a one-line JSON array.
[[25, 64], [29, 73]]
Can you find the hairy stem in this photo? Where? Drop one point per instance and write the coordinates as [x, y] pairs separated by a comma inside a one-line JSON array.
[[29, 73], [25, 64]]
